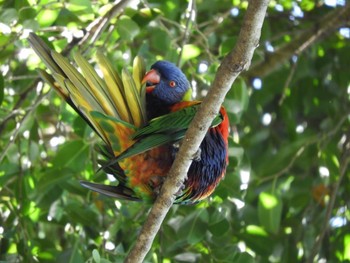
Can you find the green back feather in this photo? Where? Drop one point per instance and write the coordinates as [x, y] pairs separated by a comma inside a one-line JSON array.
[[162, 130]]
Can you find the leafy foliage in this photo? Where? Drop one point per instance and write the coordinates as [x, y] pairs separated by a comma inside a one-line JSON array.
[[287, 184]]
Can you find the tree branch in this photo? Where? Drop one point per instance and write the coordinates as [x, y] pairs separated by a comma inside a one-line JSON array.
[[232, 65], [324, 26], [95, 28]]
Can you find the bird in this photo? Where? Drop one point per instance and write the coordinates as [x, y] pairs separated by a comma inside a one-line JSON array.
[[141, 118]]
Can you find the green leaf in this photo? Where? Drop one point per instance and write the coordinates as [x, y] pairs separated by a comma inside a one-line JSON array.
[[346, 247], [8, 16], [96, 256], [34, 151], [219, 228], [193, 228], [237, 101], [81, 214], [190, 51], [2, 85], [270, 211], [47, 17], [52, 178], [72, 255], [31, 24], [127, 28], [227, 45], [245, 258], [71, 155], [160, 40], [80, 5]]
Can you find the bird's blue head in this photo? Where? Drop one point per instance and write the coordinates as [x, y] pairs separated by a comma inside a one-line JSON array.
[[166, 82]]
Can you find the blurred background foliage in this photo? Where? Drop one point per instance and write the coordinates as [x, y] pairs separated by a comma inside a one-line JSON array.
[[286, 194]]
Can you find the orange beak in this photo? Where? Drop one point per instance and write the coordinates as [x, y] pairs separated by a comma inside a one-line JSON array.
[[152, 78]]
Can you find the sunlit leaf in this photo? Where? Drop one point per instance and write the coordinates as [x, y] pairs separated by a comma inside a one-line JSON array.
[[1, 88], [346, 247], [46, 148], [47, 17], [270, 210], [190, 51]]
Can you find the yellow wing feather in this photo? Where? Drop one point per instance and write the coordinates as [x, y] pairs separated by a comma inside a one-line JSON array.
[[121, 98], [96, 85], [133, 99], [114, 86]]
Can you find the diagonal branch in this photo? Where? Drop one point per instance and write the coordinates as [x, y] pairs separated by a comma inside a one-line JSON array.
[[324, 26], [232, 65], [95, 28]]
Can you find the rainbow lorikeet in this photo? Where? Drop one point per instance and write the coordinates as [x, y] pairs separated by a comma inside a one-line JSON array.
[[141, 125]]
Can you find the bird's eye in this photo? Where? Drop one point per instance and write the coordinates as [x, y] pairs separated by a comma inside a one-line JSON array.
[[172, 83]]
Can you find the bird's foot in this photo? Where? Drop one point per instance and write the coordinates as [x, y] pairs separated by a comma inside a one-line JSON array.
[[197, 156], [180, 191], [176, 146], [156, 183]]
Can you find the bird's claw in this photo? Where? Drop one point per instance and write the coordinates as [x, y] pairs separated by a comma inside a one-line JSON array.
[[180, 191], [197, 156]]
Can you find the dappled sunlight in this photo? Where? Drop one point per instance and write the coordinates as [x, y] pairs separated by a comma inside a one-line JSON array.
[[266, 119], [257, 83], [245, 177], [324, 172], [285, 193], [57, 140]]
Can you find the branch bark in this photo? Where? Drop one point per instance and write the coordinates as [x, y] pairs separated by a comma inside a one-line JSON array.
[[324, 26], [233, 64]]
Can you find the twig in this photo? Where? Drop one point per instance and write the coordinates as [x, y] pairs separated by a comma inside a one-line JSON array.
[[19, 124], [232, 65], [190, 13], [285, 169], [95, 29], [21, 100], [344, 162], [287, 83], [319, 139]]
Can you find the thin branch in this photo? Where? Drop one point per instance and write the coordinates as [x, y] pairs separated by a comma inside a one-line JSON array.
[[324, 26], [19, 124], [318, 139], [20, 101], [95, 28], [285, 169], [287, 83], [234, 63], [344, 163], [191, 13]]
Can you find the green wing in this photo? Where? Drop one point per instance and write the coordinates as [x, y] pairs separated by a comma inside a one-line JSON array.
[[162, 130]]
